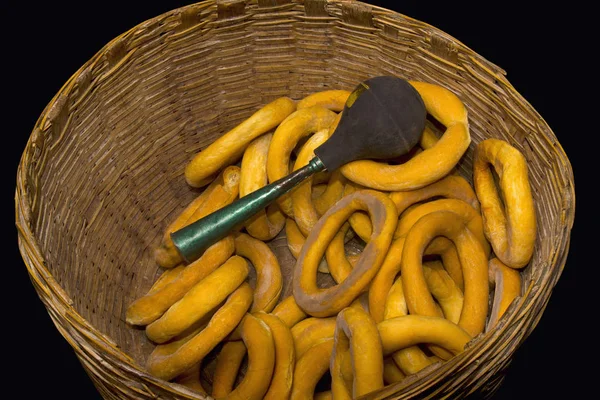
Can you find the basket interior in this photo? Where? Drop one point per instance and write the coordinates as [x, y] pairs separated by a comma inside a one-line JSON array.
[[108, 175]]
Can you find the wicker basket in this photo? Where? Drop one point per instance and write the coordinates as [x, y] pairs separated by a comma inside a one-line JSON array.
[[102, 173]]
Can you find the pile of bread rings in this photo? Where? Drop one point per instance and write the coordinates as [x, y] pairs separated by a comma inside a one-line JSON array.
[[439, 261]]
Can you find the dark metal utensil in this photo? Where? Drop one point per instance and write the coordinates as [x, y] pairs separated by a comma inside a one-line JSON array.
[[383, 118]]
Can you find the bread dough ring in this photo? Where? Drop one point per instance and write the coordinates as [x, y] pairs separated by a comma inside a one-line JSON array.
[[356, 334], [295, 241], [402, 332], [259, 341], [310, 331], [203, 297], [289, 312], [285, 357], [333, 100], [269, 281], [172, 359], [507, 287], [223, 191], [305, 213], [332, 194], [309, 369], [468, 213], [510, 225], [171, 288], [340, 265], [228, 364], [168, 276], [383, 280], [452, 265], [411, 359], [267, 223], [326, 395], [391, 372], [299, 124], [433, 163], [295, 238], [392, 264], [450, 187], [444, 290], [473, 260], [326, 302], [229, 148], [191, 379]]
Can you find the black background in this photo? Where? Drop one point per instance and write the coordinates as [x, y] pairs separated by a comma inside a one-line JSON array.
[[44, 44]]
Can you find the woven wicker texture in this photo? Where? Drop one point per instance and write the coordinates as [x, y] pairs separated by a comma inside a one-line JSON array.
[[102, 174]]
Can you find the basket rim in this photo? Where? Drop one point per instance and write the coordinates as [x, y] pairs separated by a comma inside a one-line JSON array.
[[44, 281]]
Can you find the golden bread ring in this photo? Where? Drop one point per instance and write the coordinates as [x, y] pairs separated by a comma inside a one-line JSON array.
[[324, 201], [295, 238], [269, 281], [170, 289], [507, 287], [191, 379], [359, 221], [289, 312], [285, 357], [203, 297], [305, 213], [332, 194], [333, 100], [224, 192], [267, 223], [428, 139], [383, 280], [510, 223], [340, 366], [356, 334], [318, 189], [452, 265], [433, 163], [166, 254], [441, 245], [258, 339], [302, 199], [391, 372], [450, 187], [309, 369], [228, 364], [472, 258], [298, 125], [411, 359], [466, 212], [172, 359], [402, 332], [295, 241], [228, 148], [395, 303], [326, 302], [339, 265], [326, 395], [310, 331], [444, 290], [168, 276]]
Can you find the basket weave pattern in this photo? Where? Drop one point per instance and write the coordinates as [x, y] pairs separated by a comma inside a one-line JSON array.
[[102, 173]]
